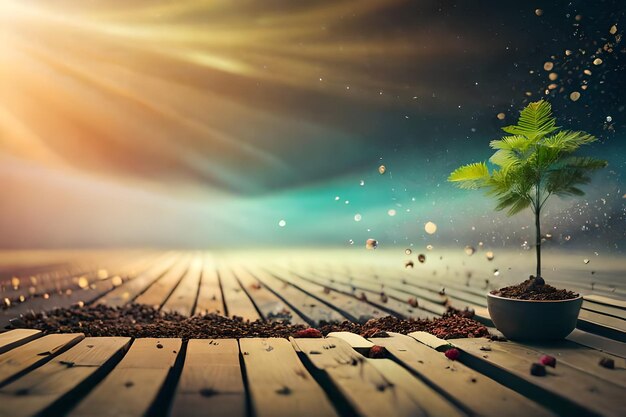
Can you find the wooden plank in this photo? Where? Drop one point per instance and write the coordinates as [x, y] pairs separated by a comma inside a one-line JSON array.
[[134, 383], [158, 293], [367, 390], [600, 343], [235, 298], [472, 391], [131, 289], [430, 301], [14, 338], [354, 340], [279, 383], [574, 355], [31, 355], [266, 301], [183, 299], [606, 326], [354, 309], [604, 309], [210, 294], [309, 306], [565, 388], [211, 383], [385, 298], [606, 300], [58, 381]]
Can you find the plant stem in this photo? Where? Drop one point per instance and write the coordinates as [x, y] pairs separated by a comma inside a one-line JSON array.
[[538, 241]]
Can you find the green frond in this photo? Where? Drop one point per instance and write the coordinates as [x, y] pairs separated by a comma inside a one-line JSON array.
[[568, 141], [532, 163], [584, 162], [512, 143], [535, 121], [471, 176]]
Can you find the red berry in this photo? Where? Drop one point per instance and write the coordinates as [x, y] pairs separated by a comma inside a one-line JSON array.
[[452, 354], [548, 360], [309, 333], [378, 352]]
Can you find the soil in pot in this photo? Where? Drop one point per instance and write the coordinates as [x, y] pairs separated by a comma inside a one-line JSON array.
[[534, 289]]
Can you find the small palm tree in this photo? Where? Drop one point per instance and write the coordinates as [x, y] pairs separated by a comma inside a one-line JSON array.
[[537, 160]]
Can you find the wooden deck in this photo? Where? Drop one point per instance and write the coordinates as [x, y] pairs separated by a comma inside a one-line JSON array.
[[70, 374]]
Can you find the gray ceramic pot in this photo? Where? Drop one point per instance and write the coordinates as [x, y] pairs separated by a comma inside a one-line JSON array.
[[534, 320]]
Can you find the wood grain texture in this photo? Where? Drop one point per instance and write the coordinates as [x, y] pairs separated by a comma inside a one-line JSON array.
[[467, 387], [35, 353], [183, 298], [14, 338], [311, 307], [365, 388], [279, 383], [266, 301], [586, 392], [59, 378], [237, 301], [211, 383], [209, 294], [134, 383]]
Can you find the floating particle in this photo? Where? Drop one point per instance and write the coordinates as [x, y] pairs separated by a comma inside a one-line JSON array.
[[408, 251], [430, 228], [391, 212], [587, 72], [362, 183], [357, 217], [586, 261], [83, 282], [501, 116], [336, 198], [597, 61], [371, 244], [282, 223], [578, 17], [539, 12], [409, 264], [553, 76], [613, 30], [567, 238], [382, 169], [568, 52], [103, 274], [496, 272], [609, 119], [7, 302], [421, 257], [350, 241], [469, 250], [15, 283], [552, 86], [548, 66], [347, 202], [489, 255], [574, 96], [429, 247], [116, 281]]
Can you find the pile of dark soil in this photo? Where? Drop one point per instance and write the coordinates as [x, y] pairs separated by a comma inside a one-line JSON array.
[[531, 290], [141, 321], [447, 327]]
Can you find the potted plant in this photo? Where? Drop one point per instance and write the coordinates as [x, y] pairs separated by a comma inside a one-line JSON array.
[[535, 161]]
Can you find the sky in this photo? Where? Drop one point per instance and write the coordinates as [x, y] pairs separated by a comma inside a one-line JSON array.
[[257, 124]]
